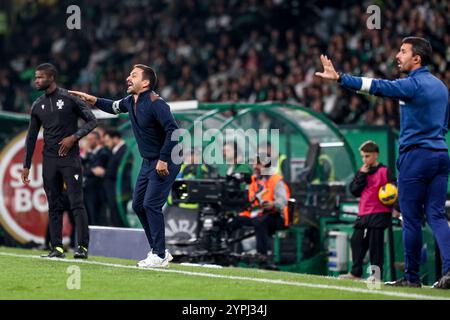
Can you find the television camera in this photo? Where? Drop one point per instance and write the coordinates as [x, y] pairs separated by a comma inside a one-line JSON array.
[[218, 200]]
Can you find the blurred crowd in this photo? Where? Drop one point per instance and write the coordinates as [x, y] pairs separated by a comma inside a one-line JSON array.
[[226, 50], [103, 152]]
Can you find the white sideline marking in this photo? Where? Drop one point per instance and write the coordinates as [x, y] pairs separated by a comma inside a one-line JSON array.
[[210, 275]]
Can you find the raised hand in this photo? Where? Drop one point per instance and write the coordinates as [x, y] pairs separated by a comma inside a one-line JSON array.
[[84, 96], [364, 168], [329, 72]]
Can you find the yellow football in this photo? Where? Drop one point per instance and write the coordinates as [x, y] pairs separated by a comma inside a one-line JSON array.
[[388, 194]]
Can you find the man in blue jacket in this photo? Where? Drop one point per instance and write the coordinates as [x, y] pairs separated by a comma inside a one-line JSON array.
[[423, 161], [153, 125]]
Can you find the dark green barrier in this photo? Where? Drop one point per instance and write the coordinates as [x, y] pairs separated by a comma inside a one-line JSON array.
[[384, 136]]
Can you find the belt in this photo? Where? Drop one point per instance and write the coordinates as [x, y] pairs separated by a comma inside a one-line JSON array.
[[411, 147], [415, 146]]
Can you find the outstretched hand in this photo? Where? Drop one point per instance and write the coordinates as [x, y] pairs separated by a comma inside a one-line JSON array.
[[84, 96], [329, 72]]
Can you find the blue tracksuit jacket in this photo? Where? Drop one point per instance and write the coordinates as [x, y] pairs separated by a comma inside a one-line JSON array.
[[152, 123], [423, 105]]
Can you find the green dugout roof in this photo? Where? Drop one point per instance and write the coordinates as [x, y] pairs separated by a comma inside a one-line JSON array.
[[298, 128]]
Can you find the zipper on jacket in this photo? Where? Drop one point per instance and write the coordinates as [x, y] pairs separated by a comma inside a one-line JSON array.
[[51, 104]]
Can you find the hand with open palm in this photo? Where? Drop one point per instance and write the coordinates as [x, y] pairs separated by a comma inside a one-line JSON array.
[[329, 72]]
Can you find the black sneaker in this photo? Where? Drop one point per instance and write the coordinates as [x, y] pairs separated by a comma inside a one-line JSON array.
[[81, 253], [443, 283], [264, 262], [403, 283], [57, 252]]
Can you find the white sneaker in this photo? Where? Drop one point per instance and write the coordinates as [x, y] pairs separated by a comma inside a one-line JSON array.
[[150, 259], [144, 261], [154, 261], [168, 256]]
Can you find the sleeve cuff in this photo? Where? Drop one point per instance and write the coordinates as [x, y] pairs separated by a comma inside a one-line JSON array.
[[116, 106], [366, 84], [164, 157]]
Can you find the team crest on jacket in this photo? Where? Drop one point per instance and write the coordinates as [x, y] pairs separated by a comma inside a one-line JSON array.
[[60, 104]]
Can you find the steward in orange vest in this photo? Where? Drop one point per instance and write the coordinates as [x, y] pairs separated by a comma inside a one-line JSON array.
[[268, 195], [261, 194]]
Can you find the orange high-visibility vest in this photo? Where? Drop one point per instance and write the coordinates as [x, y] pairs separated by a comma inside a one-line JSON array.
[[267, 195]]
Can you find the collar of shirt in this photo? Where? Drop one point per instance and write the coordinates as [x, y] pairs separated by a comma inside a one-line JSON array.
[[265, 177], [271, 171], [418, 70], [52, 93], [140, 95], [96, 149], [117, 147], [144, 92]]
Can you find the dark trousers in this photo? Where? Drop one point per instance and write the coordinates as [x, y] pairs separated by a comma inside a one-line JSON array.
[[56, 173], [368, 235], [111, 198], [265, 226], [66, 205], [150, 195], [95, 199], [422, 187]]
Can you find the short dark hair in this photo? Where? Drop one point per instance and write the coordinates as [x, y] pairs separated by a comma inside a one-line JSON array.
[[100, 128], [369, 146], [148, 74], [420, 47], [48, 68], [96, 134], [113, 133]]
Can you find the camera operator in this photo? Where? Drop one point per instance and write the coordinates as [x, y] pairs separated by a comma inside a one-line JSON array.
[[268, 211]]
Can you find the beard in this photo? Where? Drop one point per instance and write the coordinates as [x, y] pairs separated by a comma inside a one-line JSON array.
[[404, 67], [131, 88], [44, 86]]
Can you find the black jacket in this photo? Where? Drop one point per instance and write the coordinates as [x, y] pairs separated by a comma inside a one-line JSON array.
[[92, 160], [58, 114], [112, 170], [114, 162], [359, 182]]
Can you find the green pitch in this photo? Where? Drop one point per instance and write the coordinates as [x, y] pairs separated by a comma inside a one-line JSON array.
[[25, 276]]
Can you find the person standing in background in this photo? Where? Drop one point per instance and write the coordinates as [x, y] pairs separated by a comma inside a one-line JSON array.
[[95, 162], [118, 148]]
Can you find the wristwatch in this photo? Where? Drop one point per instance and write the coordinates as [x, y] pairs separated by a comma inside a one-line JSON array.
[[339, 79]]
